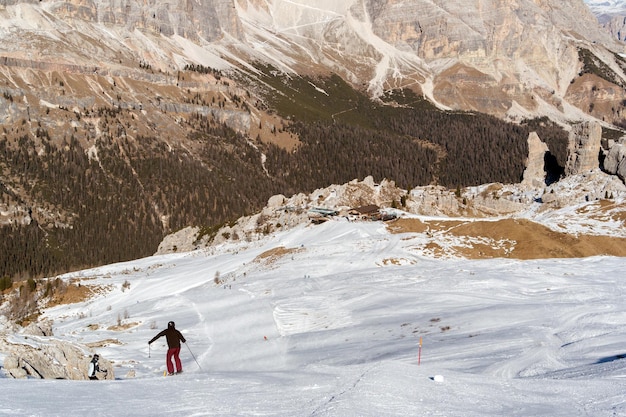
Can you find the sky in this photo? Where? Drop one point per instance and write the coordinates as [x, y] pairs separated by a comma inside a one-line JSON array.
[[326, 320]]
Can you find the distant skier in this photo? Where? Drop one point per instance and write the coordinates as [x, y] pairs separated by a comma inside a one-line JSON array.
[[94, 368], [174, 337]]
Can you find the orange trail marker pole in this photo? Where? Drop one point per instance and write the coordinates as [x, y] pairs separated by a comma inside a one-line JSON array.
[[419, 353]]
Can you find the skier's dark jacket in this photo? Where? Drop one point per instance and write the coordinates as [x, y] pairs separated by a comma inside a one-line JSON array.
[[173, 336]]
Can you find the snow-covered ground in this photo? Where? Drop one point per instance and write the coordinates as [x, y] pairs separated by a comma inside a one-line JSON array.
[[330, 325]]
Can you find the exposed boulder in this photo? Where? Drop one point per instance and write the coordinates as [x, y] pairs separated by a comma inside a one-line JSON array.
[[583, 153], [535, 174], [13, 369], [276, 201], [589, 186], [43, 358], [615, 161], [39, 328], [182, 241], [433, 201]]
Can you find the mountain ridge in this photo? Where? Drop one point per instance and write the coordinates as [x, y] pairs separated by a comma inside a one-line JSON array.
[[370, 43], [612, 16]]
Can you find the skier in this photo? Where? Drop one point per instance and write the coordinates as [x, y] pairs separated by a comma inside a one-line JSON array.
[[174, 337], [94, 368]]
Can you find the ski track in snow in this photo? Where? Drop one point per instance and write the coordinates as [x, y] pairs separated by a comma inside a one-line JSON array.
[[310, 313], [332, 329]]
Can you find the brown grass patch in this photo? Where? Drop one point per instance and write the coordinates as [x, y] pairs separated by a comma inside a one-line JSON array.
[[271, 130], [396, 261], [417, 226], [515, 238], [272, 255], [103, 343], [74, 293], [122, 326], [490, 189], [535, 241], [407, 226], [483, 251], [435, 249], [616, 212], [619, 216]]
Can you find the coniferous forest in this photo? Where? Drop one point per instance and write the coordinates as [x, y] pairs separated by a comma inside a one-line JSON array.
[[120, 205]]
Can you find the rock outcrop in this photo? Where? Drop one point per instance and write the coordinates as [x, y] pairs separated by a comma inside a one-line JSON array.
[[615, 160], [36, 357], [583, 148], [617, 27], [182, 241], [535, 173], [491, 56], [487, 200], [612, 16]]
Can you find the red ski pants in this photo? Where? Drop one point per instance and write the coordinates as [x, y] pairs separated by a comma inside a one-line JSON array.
[[173, 353]]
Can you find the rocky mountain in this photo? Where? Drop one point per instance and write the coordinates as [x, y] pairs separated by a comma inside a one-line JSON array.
[[512, 58], [612, 15], [124, 121], [606, 9]]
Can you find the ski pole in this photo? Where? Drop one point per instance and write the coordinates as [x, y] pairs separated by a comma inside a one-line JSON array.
[[148, 349], [419, 354], [194, 358]]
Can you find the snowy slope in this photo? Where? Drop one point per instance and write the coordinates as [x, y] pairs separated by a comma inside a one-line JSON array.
[[326, 321]]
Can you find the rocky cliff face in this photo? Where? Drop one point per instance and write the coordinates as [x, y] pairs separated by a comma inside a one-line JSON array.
[[612, 15], [615, 161], [493, 56], [584, 148], [617, 27], [535, 172], [488, 56], [189, 19]]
